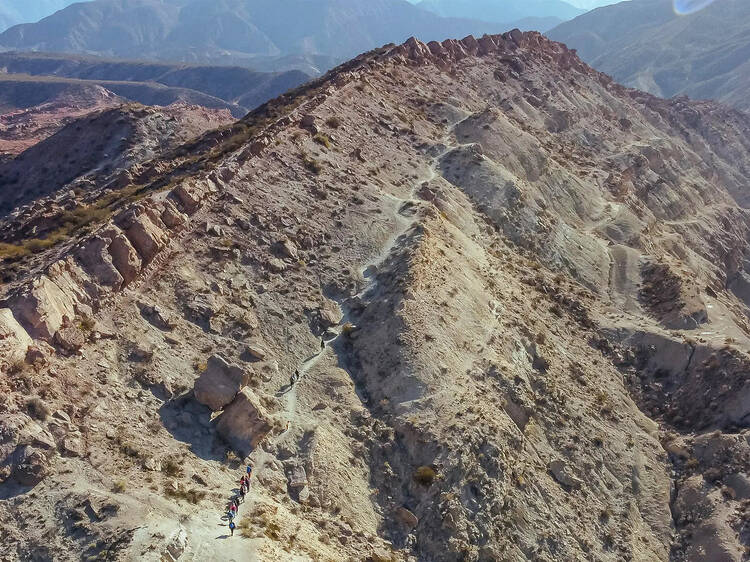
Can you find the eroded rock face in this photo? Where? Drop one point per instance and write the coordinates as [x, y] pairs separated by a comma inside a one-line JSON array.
[[14, 340], [244, 423], [147, 238], [42, 308], [219, 383], [125, 258], [25, 449], [97, 261]]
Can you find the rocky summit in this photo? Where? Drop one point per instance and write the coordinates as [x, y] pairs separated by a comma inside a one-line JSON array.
[[468, 300]]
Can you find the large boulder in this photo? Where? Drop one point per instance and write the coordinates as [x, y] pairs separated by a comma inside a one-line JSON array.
[[244, 423], [30, 465], [25, 449], [189, 195], [14, 340], [70, 338], [219, 383]]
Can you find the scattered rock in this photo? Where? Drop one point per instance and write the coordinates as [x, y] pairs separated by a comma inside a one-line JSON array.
[[276, 265], [287, 249], [407, 517], [297, 477], [563, 475], [31, 465], [73, 447], [304, 495], [157, 316], [35, 355], [175, 547], [256, 350], [70, 339]]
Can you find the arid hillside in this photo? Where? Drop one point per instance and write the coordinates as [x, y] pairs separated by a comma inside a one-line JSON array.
[[468, 300], [647, 45]]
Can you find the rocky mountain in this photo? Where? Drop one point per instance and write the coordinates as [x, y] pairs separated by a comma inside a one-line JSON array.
[[514, 294], [255, 33], [645, 44], [13, 12], [59, 104], [504, 11], [95, 149], [591, 4]]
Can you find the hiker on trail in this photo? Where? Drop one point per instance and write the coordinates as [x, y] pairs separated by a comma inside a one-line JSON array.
[[322, 344], [230, 515], [242, 494], [249, 471], [231, 528]]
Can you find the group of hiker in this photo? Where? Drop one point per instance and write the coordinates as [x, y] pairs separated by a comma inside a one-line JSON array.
[[239, 498], [295, 377], [234, 504]]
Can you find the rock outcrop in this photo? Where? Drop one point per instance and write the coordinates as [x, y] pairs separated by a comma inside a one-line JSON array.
[[244, 423], [14, 341], [219, 383]]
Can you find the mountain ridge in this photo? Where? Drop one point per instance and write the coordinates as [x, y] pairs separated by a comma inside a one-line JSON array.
[[531, 294]]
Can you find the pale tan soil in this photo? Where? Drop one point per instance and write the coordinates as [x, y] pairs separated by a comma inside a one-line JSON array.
[[530, 267]]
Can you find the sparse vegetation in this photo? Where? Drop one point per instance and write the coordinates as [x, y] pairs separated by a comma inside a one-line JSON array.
[[322, 139], [425, 475], [333, 122], [119, 487], [37, 409], [192, 495], [311, 164]]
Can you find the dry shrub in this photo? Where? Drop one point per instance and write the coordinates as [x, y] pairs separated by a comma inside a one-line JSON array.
[[425, 475], [37, 408], [333, 122]]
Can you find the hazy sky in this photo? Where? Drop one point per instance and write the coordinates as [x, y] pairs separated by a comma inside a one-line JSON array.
[[584, 4]]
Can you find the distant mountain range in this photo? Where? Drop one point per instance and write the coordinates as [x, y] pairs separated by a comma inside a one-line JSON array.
[[246, 32], [503, 11], [644, 44], [13, 12], [34, 78]]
